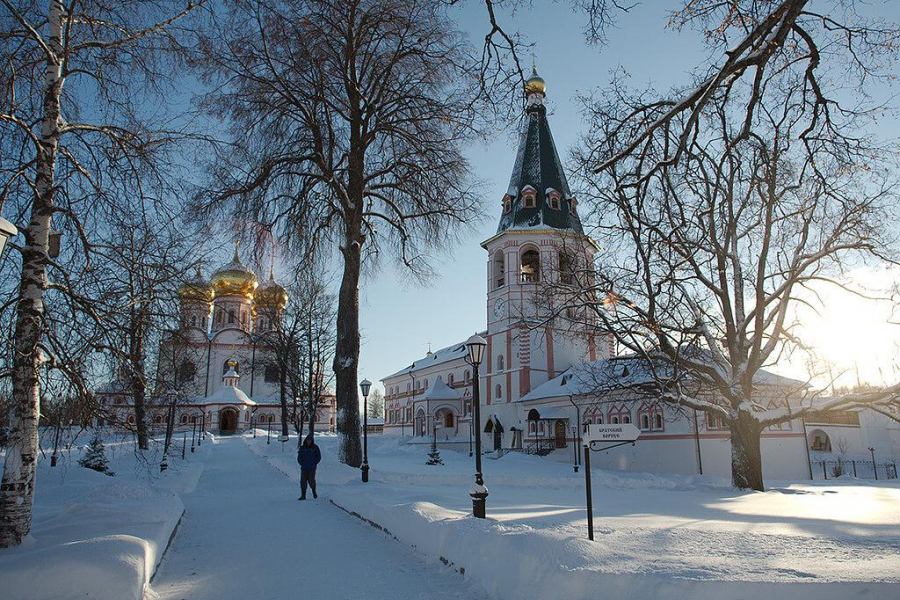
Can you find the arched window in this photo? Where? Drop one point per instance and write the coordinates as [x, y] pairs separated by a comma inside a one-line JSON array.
[[426, 384], [219, 317], [566, 267], [193, 320], [500, 365], [184, 419], [467, 376], [507, 203], [626, 416], [498, 391], [531, 266], [204, 322], [645, 422], [615, 420], [499, 269], [158, 419], [450, 379], [407, 388], [186, 371], [231, 316], [529, 197], [553, 198], [657, 421]]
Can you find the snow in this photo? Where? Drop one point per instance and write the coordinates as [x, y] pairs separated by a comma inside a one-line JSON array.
[[656, 536], [95, 536], [245, 536]]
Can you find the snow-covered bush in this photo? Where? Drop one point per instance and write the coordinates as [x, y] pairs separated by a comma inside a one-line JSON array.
[[95, 457]]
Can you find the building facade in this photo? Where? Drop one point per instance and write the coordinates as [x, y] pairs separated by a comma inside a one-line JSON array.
[[222, 363], [536, 349]]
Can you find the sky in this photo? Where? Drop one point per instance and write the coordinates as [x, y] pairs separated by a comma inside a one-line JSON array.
[[400, 321]]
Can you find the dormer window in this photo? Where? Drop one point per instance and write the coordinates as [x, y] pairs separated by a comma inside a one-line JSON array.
[[507, 204], [553, 198], [529, 197]]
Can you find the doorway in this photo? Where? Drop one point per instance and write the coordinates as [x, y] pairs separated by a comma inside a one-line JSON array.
[[559, 432], [228, 418]]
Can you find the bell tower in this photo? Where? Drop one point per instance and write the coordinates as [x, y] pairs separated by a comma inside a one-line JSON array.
[[535, 253]]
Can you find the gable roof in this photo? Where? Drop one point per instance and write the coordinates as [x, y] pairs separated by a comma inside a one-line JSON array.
[[608, 374], [452, 352]]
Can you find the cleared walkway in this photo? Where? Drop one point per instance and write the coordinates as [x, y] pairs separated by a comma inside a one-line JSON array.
[[245, 536]]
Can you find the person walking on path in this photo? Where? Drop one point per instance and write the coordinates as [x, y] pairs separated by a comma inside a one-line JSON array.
[[308, 456]]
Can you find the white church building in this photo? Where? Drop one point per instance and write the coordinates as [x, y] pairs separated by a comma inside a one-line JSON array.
[[540, 377], [219, 360]]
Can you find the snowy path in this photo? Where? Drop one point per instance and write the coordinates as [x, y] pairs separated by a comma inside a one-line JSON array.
[[246, 536]]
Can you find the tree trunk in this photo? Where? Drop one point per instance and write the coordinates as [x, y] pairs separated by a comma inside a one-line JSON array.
[[347, 353], [283, 398], [138, 381], [746, 458], [17, 488]]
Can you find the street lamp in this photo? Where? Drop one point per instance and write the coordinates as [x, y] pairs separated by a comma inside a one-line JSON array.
[[874, 466], [476, 345], [364, 386], [7, 230]]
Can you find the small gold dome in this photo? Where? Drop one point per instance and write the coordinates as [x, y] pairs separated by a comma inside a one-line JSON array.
[[197, 289], [235, 278], [270, 294], [535, 84]]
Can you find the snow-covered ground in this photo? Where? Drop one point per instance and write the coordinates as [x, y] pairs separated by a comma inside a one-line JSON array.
[[656, 537], [245, 536], [95, 536]]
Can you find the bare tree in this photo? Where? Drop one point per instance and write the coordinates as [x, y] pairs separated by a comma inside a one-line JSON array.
[[348, 120], [55, 57], [709, 257]]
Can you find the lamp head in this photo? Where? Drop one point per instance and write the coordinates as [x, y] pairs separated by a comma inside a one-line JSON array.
[[476, 345], [364, 387]]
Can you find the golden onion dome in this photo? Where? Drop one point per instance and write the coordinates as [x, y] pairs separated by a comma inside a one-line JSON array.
[[197, 289], [270, 294], [234, 278], [535, 84]]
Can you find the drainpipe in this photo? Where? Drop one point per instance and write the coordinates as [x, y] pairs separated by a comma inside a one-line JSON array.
[[697, 442]]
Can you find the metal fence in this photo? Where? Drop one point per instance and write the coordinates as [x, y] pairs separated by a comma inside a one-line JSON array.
[[862, 469]]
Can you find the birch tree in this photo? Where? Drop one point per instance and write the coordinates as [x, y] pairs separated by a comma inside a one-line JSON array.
[[347, 119], [73, 74]]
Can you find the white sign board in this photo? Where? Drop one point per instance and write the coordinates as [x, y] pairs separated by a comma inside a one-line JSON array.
[[623, 432]]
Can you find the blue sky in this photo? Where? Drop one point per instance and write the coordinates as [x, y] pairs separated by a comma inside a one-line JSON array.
[[398, 321]]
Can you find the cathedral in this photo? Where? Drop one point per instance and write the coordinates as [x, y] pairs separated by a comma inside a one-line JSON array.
[[221, 360], [543, 363]]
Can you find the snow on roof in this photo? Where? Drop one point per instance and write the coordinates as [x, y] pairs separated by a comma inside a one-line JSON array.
[[623, 371], [452, 352], [441, 391], [230, 395]]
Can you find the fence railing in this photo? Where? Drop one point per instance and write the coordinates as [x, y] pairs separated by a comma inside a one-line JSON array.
[[862, 469]]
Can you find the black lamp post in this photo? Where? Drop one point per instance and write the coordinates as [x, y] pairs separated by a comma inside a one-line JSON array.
[[476, 345], [193, 431], [364, 386], [268, 431], [874, 466]]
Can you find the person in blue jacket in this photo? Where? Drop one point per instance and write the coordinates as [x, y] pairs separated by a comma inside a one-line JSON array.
[[308, 456]]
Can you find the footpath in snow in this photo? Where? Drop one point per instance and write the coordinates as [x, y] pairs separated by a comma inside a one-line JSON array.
[[245, 536], [95, 536], [656, 537]]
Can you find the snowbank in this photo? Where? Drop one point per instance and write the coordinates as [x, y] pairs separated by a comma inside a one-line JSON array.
[[95, 536], [659, 537]]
